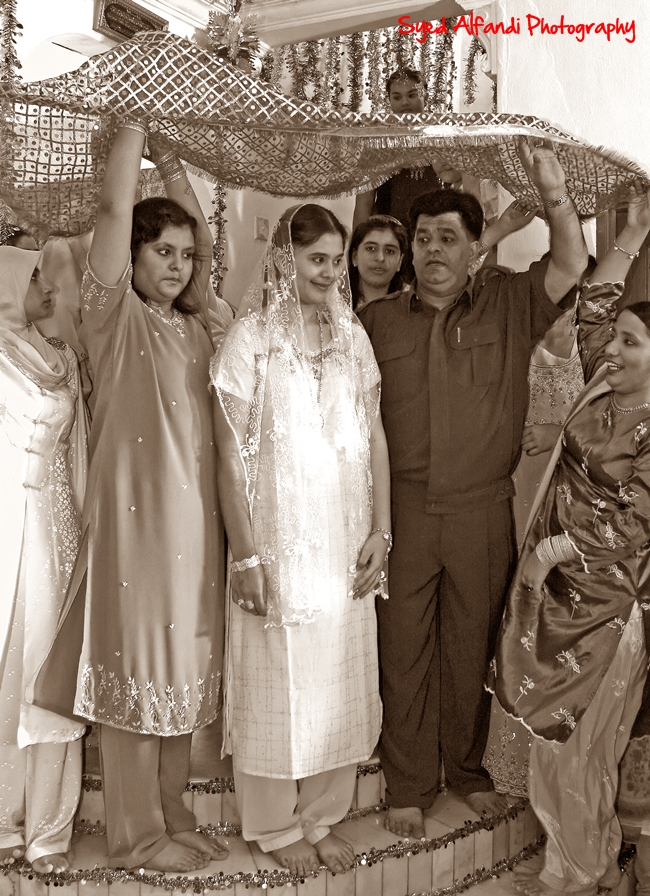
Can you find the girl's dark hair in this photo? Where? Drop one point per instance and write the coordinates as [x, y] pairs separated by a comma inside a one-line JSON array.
[[642, 311], [150, 217], [361, 231], [311, 222], [404, 74]]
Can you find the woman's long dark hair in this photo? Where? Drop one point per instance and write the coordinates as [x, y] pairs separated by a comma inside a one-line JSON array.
[[310, 222], [150, 217], [361, 231]]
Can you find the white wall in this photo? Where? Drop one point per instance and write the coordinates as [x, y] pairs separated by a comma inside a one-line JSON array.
[[598, 90]]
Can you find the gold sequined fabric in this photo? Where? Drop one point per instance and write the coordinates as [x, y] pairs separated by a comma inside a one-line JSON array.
[[240, 131]]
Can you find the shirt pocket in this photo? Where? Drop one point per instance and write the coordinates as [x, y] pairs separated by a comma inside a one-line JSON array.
[[479, 354], [399, 364]]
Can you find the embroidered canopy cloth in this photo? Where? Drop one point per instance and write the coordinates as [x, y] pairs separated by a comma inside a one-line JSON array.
[[237, 129]]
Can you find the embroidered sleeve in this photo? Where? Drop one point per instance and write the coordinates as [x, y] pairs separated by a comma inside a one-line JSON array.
[[596, 314], [232, 369], [619, 528], [98, 301]]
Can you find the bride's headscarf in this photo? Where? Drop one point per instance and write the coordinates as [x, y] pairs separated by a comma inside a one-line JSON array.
[[21, 341], [269, 384]]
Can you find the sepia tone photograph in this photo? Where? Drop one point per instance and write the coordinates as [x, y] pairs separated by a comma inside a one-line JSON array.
[[325, 447]]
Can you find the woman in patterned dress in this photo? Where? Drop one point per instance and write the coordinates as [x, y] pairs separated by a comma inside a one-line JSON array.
[[149, 581], [571, 657], [303, 475], [42, 479]]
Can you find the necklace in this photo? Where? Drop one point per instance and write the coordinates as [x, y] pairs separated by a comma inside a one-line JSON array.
[[177, 321], [319, 376], [620, 410]]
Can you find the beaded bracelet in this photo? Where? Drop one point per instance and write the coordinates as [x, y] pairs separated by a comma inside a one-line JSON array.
[[170, 168], [247, 563], [630, 255], [553, 203], [387, 536], [134, 124]]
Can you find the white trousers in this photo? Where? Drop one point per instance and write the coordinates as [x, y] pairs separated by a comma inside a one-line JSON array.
[[39, 793], [279, 811], [573, 785]]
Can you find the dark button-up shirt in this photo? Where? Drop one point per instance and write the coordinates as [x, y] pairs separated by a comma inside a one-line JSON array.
[[455, 384]]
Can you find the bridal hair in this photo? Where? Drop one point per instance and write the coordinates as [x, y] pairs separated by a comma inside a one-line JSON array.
[[310, 222]]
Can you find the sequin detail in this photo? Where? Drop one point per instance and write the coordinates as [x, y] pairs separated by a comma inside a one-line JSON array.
[[147, 707]]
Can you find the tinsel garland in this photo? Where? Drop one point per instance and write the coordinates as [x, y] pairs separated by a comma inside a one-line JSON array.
[[448, 45], [9, 62], [388, 59], [9, 67], [443, 66], [475, 50], [426, 69], [218, 221], [356, 61], [264, 879], [296, 69], [375, 87], [332, 90], [313, 59]]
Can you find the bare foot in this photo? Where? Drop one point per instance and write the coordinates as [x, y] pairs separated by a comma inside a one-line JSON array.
[[533, 886], [611, 878], [178, 857], [216, 849], [336, 853], [9, 854], [299, 858], [531, 866], [406, 822], [55, 862], [487, 802]]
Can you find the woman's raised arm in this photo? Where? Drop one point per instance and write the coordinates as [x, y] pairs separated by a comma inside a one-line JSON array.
[[178, 187], [111, 246]]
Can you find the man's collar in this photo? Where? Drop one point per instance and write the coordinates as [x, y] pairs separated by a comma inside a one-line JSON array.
[[409, 295]]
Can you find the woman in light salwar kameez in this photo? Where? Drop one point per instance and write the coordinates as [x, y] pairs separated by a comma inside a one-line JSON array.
[[303, 476], [42, 478], [571, 657]]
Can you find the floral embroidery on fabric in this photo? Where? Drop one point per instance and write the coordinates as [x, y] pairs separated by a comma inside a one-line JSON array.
[[624, 495], [565, 493], [528, 640], [618, 686], [598, 310], [599, 505], [567, 659], [640, 431], [618, 624], [584, 464], [613, 570], [565, 717], [527, 685], [611, 536], [146, 708], [575, 600]]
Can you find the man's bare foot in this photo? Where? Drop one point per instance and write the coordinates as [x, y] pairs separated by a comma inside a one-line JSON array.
[[487, 802], [178, 857], [9, 854], [299, 858], [216, 849], [336, 853], [54, 862], [407, 822]]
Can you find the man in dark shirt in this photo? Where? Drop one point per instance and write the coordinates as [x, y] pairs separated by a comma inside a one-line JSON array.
[[454, 355]]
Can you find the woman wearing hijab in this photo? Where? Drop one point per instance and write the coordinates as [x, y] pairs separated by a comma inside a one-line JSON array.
[[303, 475], [42, 477]]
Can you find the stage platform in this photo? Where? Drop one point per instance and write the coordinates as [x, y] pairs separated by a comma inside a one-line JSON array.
[[460, 850]]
